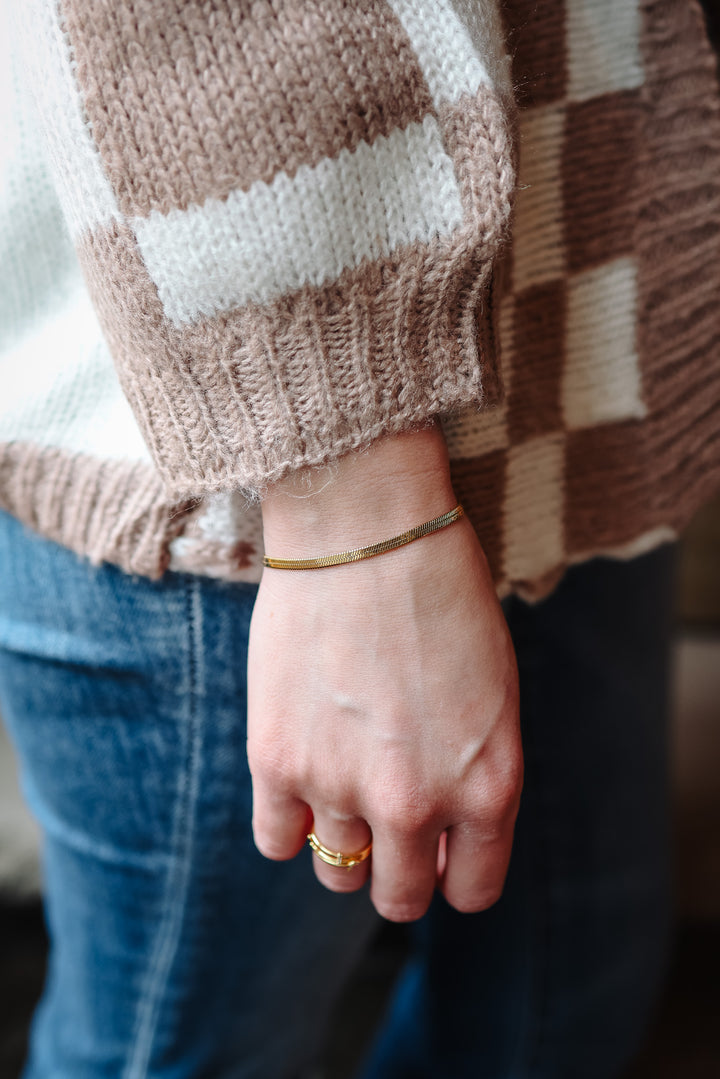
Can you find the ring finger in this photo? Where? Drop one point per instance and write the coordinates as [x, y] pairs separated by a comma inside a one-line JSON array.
[[345, 836]]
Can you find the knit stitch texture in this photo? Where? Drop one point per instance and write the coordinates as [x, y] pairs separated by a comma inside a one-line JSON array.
[[294, 224]]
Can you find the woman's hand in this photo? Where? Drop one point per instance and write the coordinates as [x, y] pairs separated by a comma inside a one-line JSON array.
[[382, 695]]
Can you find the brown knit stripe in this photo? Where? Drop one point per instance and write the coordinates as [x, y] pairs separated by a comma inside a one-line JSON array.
[[187, 103], [602, 138], [602, 463], [687, 461], [534, 505], [534, 405], [636, 466], [685, 340], [107, 511], [537, 47], [479, 484]]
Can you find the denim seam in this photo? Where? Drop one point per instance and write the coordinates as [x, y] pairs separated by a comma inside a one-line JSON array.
[[177, 882]]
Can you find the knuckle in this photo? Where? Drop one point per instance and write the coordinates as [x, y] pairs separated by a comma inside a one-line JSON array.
[[403, 810], [275, 767], [403, 823], [502, 794]]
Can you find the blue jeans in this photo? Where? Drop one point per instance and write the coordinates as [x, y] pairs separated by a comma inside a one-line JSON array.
[[178, 951]]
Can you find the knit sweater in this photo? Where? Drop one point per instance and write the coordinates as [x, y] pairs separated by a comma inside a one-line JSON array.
[[241, 239]]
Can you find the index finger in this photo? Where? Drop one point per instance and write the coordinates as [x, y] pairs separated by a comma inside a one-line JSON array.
[[281, 821]]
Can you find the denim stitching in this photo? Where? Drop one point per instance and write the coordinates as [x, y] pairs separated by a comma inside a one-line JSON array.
[[183, 835]]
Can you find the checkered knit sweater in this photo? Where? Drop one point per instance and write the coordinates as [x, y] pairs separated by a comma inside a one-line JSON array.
[[287, 229]]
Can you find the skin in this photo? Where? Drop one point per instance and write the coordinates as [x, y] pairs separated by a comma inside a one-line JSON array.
[[383, 695]]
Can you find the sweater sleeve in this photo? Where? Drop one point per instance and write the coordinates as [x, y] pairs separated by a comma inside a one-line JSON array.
[[287, 212]]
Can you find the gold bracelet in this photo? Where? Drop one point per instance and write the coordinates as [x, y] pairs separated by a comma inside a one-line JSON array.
[[374, 549]]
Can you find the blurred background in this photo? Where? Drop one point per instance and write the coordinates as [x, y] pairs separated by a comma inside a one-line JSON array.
[[684, 1039]]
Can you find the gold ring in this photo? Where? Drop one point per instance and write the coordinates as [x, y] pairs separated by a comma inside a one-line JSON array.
[[336, 857]]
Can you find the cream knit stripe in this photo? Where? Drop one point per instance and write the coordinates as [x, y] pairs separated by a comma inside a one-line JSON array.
[[603, 47], [484, 24], [306, 229], [58, 384], [534, 508], [538, 241], [449, 58], [87, 198], [601, 380], [60, 388]]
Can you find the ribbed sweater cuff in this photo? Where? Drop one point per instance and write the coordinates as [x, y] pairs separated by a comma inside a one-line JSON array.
[[285, 267]]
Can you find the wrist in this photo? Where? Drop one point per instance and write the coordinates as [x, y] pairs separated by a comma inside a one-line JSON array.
[[400, 481]]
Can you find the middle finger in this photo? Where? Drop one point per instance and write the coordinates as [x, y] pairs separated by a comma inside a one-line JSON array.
[[404, 873]]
